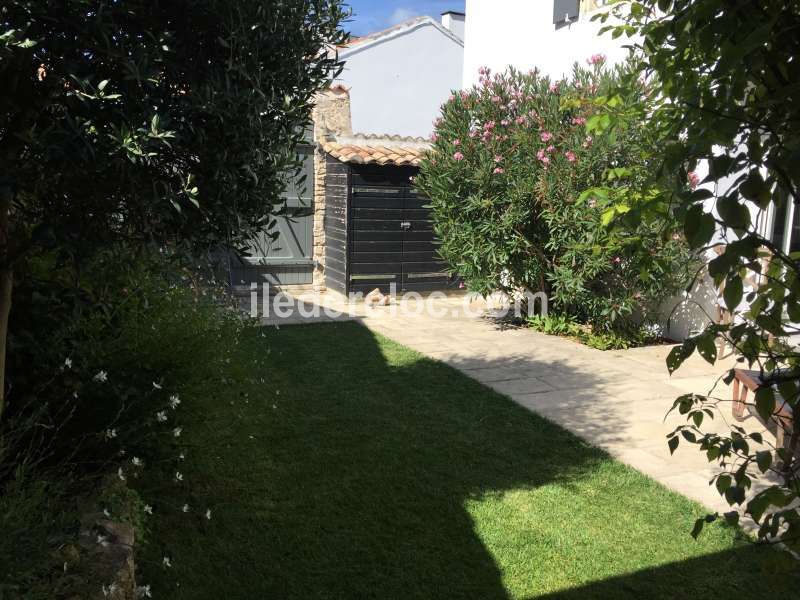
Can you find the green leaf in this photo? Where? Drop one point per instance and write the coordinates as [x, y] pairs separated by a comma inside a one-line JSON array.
[[764, 460], [673, 444], [765, 402], [723, 483], [698, 527], [679, 354], [732, 294], [707, 347], [699, 226]]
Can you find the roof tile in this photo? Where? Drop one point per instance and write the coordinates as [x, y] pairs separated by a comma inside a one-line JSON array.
[[377, 149]]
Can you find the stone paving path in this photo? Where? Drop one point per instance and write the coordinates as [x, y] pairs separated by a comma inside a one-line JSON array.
[[614, 399]]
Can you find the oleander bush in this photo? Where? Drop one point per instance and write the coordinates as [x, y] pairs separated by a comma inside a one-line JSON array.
[[510, 159]]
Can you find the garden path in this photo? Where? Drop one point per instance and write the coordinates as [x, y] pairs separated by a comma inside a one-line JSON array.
[[617, 400]]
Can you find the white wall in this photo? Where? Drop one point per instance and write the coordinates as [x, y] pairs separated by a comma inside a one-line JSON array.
[[521, 33], [397, 85]]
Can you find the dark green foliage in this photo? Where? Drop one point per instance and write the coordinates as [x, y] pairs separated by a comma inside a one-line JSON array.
[[599, 339], [511, 158], [154, 120], [729, 100], [157, 330]]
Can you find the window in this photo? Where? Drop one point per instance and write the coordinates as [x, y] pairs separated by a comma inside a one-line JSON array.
[[565, 11], [786, 227]]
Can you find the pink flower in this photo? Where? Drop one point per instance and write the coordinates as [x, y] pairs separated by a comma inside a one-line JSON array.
[[498, 158], [578, 121], [483, 70], [587, 142], [546, 136], [554, 87], [489, 125], [520, 120], [458, 156], [550, 148], [694, 179], [473, 133], [497, 99], [452, 97], [434, 137], [456, 142], [504, 122], [545, 160], [570, 156], [596, 59], [498, 170], [617, 260]]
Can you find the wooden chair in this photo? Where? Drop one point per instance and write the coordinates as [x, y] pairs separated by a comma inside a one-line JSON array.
[[745, 381]]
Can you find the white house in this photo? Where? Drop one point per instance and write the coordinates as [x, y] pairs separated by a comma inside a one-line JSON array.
[[548, 34], [399, 77]]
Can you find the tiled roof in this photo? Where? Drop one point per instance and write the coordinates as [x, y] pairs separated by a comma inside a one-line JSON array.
[[377, 149]]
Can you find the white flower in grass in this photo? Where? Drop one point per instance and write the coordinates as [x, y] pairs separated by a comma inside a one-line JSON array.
[[121, 474], [174, 400], [102, 540], [148, 509], [161, 416], [208, 514], [181, 456], [106, 513], [177, 431], [178, 476], [68, 363], [185, 508], [101, 377], [137, 462], [75, 395], [110, 434], [143, 591], [167, 562], [109, 590], [157, 386]]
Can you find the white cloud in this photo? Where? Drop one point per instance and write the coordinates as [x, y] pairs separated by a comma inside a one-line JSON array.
[[401, 14]]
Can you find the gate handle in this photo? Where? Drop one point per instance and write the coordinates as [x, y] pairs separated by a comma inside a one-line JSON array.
[[406, 225]]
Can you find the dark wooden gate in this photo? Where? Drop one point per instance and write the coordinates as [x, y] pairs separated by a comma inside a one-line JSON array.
[[391, 233]]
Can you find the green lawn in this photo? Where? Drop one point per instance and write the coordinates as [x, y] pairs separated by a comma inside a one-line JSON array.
[[361, 469]]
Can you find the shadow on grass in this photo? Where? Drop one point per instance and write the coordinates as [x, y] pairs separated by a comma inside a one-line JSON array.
[[350, 471]]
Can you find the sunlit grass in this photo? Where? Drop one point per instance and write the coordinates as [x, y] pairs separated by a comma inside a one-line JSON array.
[[360, 469]]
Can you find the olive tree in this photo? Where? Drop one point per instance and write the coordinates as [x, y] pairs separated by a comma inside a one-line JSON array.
[[140, 121]]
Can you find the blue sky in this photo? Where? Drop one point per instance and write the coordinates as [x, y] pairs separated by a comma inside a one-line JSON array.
[[374, 15]]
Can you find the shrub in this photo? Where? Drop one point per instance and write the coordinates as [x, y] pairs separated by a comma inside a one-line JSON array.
[[729, 94], [106, 389], [510, 158]]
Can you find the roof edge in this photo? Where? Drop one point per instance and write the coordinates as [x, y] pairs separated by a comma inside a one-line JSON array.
[[398, 30]]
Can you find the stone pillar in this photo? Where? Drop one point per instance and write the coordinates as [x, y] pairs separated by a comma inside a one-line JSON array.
[[319, 220], [331, 118]]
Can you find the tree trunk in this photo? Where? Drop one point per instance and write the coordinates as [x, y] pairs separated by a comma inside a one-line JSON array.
[[6, 285]]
